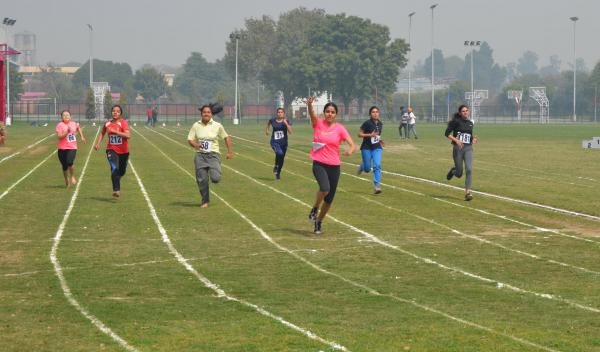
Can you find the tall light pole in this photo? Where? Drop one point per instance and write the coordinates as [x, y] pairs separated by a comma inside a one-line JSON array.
[[409, 52], [91, 55], [8, 22], [574, 19], [472, 44], [235, 36], [432, 7]]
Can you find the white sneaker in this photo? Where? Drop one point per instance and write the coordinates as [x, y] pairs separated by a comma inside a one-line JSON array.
[[359, 170]]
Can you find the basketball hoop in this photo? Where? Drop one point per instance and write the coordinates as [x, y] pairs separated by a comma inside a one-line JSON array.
[[539, 94], [475, 98]]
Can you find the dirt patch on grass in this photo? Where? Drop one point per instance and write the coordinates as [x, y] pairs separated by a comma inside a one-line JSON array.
[[511, 233], [11, 257], [5, 150], [584, 230], [38, 150]]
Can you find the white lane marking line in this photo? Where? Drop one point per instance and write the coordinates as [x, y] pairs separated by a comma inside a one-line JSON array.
[[151, 262], [426, 260], [359, 285], [452, 230], [25, 149], [220, 292], [491, 195], [504, 217], [59, 271], [26, 175]]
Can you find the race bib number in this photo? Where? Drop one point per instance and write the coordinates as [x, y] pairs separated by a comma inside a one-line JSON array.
[[278, 135], [115, 140], [375, 139], [464, 137], [71, 137], [205, 146]]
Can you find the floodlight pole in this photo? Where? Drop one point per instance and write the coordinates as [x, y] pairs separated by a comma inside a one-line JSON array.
[[409, 53], [8, 22], [91, 55], [472, 44], [574, 19], [432, 7], [235, 36]]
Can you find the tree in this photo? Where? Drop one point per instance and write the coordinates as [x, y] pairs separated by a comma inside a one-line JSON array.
[[440, 64], [553, 69], [453, 66], [149, 83], [108, 103], [199, 80], [527, 64], [118, 75], [486, 73], [16, 82], [55, 83], [124, 105], [90, 105]]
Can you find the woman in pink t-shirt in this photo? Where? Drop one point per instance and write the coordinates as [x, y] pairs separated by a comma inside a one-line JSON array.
[[66, 131], [327, 137]]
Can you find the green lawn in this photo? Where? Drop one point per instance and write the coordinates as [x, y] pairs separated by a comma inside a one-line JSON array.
[[415, 268]]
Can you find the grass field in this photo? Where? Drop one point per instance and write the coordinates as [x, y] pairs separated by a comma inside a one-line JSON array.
[[415, 268]]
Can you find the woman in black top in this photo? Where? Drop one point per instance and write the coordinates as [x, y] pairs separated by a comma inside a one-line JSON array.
[[371, 147], [460, 132]]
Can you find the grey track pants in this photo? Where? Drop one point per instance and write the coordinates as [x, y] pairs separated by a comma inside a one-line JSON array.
[[207, 165], [463, 155]]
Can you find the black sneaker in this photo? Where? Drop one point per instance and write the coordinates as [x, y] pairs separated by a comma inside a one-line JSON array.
[[277, 176], [313, 215], [317, 230], [468, 196], [450, 174]]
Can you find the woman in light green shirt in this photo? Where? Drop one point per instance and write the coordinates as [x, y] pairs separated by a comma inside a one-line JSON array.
[[204, 138]]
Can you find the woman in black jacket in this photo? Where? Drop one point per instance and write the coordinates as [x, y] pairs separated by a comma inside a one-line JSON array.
[[460, 132]]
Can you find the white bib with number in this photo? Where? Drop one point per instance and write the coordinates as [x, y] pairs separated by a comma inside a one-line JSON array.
[[464, 137], [205, 146], [278, 135], [375, 139], [115, 139], [71, 137]]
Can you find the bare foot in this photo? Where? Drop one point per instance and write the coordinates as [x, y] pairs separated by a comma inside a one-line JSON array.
[[204, 205], [73, 181], [67, 183], [116, 194]]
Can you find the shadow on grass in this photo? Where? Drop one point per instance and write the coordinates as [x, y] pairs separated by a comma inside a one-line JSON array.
[[299, 232], [57, 186], [104, 199], [186, 204]]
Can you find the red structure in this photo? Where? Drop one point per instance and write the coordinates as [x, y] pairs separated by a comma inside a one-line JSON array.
[[5, 52]]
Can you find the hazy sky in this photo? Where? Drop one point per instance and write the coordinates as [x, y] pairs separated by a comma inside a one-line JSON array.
[[166, 32]]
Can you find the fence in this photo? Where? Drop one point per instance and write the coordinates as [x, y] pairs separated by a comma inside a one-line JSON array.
[[42, 112]]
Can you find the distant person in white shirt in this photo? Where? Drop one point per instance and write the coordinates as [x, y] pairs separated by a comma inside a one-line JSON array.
[[412, 126]]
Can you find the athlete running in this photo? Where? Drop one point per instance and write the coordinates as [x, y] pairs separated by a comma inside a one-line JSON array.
[[279, 139], [117, 148], [371, 147], [460, 132], [66, 132]]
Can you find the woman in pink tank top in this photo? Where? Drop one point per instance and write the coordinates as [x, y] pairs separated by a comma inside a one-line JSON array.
[[66, 131]]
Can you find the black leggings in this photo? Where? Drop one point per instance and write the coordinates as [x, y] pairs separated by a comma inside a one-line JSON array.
[[66, 157], [327, 177], [280, 150], [118, 166]]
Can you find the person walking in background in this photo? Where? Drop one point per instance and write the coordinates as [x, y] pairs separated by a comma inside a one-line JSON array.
[[117, 149], [148, 116], [412, 125], [460, 132], [204, 138], [328, 135], [403, 122], [66, 132], [154, 115], [279, 139], [371, 147]]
